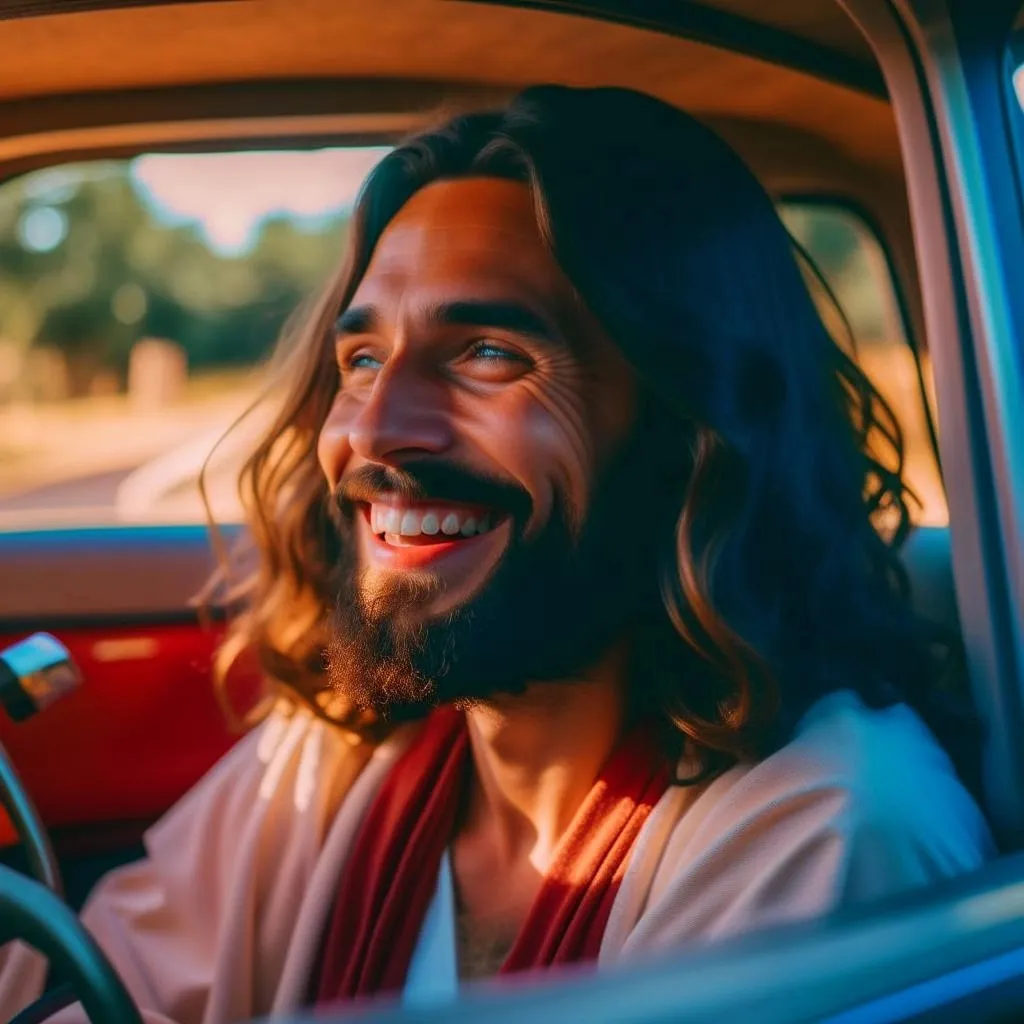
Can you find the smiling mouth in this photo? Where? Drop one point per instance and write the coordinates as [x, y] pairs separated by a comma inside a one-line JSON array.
[[429, 524]]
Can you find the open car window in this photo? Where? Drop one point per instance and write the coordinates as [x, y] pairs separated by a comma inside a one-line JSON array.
[[139, 300]]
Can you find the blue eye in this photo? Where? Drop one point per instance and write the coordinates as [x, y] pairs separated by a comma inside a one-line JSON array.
[[488, 350], [364, 362]]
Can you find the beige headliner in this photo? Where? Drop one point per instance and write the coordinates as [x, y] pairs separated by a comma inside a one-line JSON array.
[[433, 41]]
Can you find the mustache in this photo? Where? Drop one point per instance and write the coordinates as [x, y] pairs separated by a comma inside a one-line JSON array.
[[432, 480]]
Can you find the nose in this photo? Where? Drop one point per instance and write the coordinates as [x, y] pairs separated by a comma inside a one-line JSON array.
[[404, 415]]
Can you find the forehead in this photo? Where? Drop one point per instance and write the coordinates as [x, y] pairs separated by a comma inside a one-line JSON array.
[[473, 237]]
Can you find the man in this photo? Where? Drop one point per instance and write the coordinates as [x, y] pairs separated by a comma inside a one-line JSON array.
[[568, 537]]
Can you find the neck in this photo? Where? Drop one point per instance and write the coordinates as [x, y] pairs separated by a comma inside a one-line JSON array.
[[536, 758]]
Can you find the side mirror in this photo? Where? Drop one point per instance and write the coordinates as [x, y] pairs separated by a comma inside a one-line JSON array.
[[34, 674]]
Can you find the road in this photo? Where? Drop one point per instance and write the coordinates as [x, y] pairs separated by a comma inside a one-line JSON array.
[[93, 491]]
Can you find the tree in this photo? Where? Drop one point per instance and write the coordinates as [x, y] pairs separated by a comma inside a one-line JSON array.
[[87, 267]]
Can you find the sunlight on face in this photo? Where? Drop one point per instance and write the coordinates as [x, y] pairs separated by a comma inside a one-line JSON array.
[[463, 346], [483, 449]]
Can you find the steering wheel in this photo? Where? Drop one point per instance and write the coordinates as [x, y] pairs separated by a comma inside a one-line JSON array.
[[31, 912], [32, 675]]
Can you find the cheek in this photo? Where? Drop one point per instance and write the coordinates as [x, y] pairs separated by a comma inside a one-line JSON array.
[[332, 446], [540, 435]]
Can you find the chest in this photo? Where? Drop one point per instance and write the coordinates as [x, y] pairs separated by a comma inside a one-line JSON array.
[[480, 948], [492, 901]]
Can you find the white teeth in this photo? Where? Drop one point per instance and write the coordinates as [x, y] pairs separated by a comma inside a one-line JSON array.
[[410, 525], [387, 519]]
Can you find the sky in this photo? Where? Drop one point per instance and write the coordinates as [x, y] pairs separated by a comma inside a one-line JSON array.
[[228, 195]]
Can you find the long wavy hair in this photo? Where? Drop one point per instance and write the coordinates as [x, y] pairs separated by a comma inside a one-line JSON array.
[[781, 580]]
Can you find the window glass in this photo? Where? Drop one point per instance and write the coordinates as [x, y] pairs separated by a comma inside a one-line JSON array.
[[851, 260], [138, 300]]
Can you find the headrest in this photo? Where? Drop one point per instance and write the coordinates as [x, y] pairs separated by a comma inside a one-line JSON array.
[[927, 556]]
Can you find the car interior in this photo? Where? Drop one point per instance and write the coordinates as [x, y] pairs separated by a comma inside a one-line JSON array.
[[859, 111]]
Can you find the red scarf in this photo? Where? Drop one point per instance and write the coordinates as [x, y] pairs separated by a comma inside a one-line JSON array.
[[390, 880]]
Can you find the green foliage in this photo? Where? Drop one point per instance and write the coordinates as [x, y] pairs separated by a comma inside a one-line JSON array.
[[88, 268], [850, 259]]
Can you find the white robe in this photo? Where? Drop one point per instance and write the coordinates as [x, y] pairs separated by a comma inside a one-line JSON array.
[[223, 919]]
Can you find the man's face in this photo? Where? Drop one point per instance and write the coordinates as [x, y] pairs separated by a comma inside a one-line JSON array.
[[480, 452]]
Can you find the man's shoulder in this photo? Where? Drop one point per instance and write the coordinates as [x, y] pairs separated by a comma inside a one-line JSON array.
[[867, 796], [885, 763], [292, 765], [874, 782], [862, 803]]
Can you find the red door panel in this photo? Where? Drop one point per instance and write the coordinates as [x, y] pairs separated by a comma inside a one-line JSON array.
[[142, 728]]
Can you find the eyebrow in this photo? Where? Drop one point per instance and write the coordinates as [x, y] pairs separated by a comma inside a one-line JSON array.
[[507, 316]]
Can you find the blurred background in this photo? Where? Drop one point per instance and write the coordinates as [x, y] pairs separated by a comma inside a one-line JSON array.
[[138, 302], [140, 299]]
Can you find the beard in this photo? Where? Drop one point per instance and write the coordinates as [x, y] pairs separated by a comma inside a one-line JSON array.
[[554, 606]]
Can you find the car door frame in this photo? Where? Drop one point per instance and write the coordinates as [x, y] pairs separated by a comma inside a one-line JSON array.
[[945, 65]]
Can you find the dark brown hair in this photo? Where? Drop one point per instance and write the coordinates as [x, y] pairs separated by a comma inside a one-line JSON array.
[[781, 581]]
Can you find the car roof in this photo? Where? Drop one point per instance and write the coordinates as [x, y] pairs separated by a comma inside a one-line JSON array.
[[799, 63], [826, 24]]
